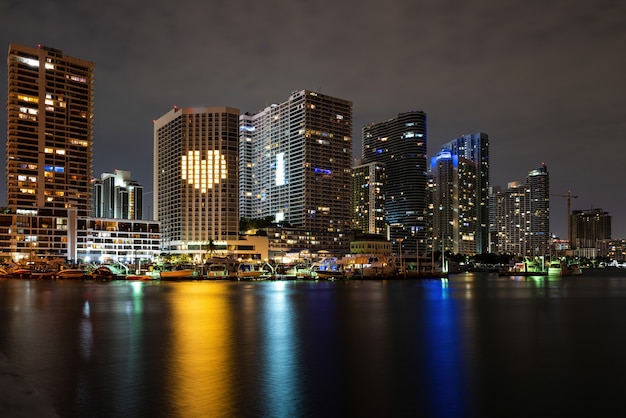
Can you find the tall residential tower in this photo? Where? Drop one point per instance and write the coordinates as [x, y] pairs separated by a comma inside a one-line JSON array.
[[295, 160], [522, 216], [50, 131], [475, 148], [400, 144]]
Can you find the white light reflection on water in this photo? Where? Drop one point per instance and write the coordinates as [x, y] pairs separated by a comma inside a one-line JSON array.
[[280, 353]]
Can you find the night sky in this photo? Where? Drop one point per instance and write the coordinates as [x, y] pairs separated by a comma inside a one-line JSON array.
[[545, 79]]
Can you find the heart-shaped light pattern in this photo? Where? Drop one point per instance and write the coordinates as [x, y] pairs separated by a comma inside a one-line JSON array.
[[202, 172]]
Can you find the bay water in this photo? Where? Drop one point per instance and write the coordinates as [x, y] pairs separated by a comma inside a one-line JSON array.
[[475, 345]]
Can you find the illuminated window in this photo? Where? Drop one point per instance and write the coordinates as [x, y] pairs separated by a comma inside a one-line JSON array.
[[28, 61], [201, 173], [29, 99]]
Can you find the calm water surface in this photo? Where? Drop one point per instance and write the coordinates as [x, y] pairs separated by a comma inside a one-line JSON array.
[[474, 346]]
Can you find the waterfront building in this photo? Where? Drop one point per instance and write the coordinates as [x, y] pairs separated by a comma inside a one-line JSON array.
[[400, 144], [522, 215], [25, 237], [370, 244], [614, 249], [589, 227], [296, 157], [117, 196], [196, 183], [475, 148], [50, 131], [539, 183], [453, 197], [511, 214], [368, 198]]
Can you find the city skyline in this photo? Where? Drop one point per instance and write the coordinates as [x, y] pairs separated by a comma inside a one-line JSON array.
[[542, 80]]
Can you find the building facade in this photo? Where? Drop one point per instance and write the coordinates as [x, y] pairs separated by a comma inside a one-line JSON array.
[[522, 216], [29, 238], [368, 199], [117, 196], [454, 223], [296, 167], [196, 181], [588, 227], [475, 148], [50, 131], [400, 144], [539, 184]]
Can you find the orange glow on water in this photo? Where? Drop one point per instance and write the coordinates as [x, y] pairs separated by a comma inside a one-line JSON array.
[[201, 358]]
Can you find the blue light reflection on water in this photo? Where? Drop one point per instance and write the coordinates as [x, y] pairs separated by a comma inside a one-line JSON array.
[[442, 355]]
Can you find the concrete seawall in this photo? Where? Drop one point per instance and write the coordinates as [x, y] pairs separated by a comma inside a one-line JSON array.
[[17, 398]]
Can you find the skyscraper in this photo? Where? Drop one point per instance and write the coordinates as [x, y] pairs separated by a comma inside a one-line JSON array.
[[50, 131], [297, 156], [522, 215], [117, 196], [368, 198], [475, 148], [453, 194], [196, 178], [539, 183], [400, 144]]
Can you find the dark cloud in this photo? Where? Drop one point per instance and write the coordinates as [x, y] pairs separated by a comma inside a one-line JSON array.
[[543, 79]]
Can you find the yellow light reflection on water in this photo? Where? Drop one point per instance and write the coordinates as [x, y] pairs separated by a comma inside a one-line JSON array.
[[201, 352]]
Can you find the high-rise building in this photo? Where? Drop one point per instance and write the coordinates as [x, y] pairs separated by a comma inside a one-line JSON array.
[[454, 212], [522, 215], [588, 227], [368, 198], [196, 181], [512, 226], [297, 159], [117, 196], [400, 144], [539, 183], [475, 148], [50, 131]]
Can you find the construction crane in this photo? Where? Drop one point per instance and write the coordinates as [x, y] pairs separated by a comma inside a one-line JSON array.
[[569, 197]]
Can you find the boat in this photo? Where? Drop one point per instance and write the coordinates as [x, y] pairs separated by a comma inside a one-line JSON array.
[[180, 272], [292, 271], [139, 277], [559, 268], [102, 273], [218, 271], [575, 268], [70, 274], [327, 268], [250, 270], [20, 273]]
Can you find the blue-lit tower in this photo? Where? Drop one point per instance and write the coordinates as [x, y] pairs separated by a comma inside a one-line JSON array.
[[475, 148], [453, 212]]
